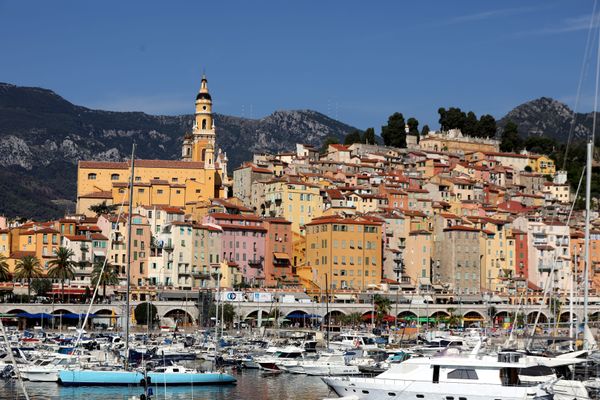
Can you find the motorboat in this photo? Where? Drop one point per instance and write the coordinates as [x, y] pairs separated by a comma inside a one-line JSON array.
[[328, 364], [472, 378], [353, 340], [280, 359]]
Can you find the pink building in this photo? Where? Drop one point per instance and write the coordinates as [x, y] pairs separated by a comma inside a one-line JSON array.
[[243, 243]]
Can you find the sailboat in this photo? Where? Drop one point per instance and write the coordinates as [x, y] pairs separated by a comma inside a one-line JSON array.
[[165, 375]]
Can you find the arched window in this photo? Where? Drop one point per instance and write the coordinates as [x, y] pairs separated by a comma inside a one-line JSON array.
[[188, 151], [92, 176], [204, 124], [203, 154], [114, 177]]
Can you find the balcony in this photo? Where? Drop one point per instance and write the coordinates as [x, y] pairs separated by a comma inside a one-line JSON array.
[[399, 269], [200, 273], [168, 247], [544, 268], [405, 279], [84, 248], [256, 263]]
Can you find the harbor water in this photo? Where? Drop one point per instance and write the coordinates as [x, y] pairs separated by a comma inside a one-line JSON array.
[[251, 385]]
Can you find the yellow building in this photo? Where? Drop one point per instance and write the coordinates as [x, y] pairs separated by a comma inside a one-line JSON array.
[[198, 177], [289, 198], [542, 164], [347, 250]]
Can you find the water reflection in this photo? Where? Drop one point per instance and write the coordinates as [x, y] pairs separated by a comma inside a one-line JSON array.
[[252, 385]]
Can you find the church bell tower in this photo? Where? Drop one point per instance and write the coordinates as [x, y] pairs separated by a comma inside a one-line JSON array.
[[200, 147]]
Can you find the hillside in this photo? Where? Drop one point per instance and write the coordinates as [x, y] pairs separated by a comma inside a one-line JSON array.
[[550, 118], [42, 136]]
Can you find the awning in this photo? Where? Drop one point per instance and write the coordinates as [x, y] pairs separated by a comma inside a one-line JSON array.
[[34, 316], [68, 290], [281, 256], [344, 296], [298, 315], [99, 253], [73, 316]]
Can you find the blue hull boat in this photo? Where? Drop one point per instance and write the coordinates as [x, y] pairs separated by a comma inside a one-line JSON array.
[[167, 376]]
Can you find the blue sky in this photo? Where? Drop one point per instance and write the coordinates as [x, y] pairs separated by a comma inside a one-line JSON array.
[[355, 61]]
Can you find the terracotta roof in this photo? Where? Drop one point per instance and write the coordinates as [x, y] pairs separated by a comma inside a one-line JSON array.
[[243, 227], [339, 147], [461, 228], [77, 238], [98, 195], [142, 164], [43, 230], [98, 236], [21, 254]]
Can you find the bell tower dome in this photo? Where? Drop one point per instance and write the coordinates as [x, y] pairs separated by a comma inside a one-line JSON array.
[[203, 132]]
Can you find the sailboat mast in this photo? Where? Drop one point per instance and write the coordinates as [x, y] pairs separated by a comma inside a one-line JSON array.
[[128, 269]]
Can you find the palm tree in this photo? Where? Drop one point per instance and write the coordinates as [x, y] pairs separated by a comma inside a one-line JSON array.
[[28, 268], [108, 276], [62, 267], [4, 270], [383, 305]]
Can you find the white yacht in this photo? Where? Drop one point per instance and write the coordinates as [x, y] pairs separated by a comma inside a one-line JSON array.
[[281, 359], [331, 364], [47, 369], [353, 340], [456, 378]]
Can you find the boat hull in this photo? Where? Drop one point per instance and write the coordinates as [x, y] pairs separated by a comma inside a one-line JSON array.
[[377, 389], [123, 378], [40, 376]]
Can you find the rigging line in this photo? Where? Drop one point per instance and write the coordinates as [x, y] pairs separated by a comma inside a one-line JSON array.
[[546, 285], [108, 251], [584, 64], [595, 111]]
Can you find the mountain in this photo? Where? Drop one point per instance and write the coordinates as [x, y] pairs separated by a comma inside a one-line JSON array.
[[550, 118], [42, 136]]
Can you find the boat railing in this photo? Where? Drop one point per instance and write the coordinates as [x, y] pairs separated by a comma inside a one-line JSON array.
[[408, 381]]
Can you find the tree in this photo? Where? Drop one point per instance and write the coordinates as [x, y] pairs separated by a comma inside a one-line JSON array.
[[108, 276], [453, 118], [453, 319], [352, 137], [41, 286], [394, 133], [413, 126], [228, 312], [27, 269], [425, 130], [103, 208], [62, 267], [471, 127], [369, 136], [383, 305], [4, 270], [540, 144], [353, 319], [511, 141], [328, 140], [145, 314], [487, 126], [555, 306]]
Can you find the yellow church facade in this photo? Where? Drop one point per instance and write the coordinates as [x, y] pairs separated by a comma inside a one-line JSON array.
[[195, 179]]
